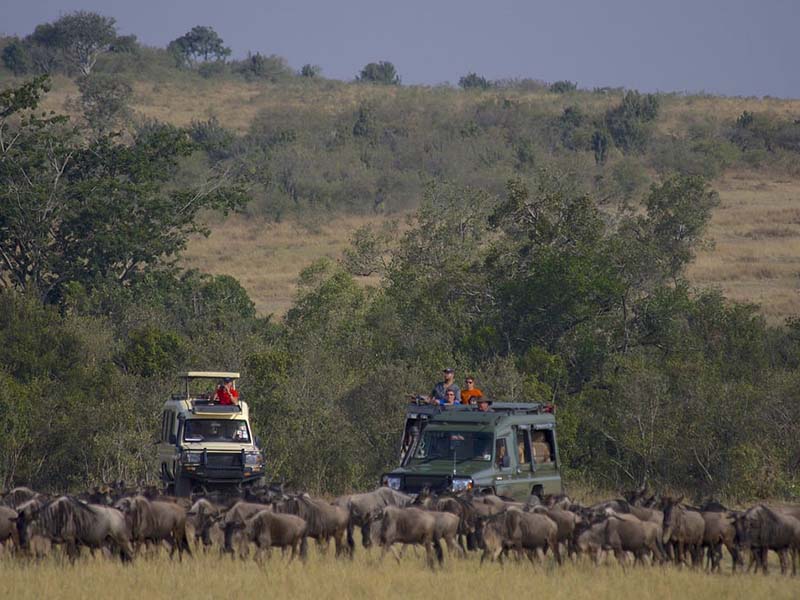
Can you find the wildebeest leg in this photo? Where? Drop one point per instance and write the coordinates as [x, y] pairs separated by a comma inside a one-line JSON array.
[[622, 557], [437, 548], [366, 533], [783, 555], [556, 551], [258, 555]]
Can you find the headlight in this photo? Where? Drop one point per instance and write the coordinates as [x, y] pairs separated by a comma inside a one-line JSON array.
[[191, 458], [251, 459], [393, 481], [461, 484]]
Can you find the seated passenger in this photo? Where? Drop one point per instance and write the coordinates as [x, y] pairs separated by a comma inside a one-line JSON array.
[[227, 393], [541, 448], [471, 394], [484, 405], [438, 394], [449, 398]]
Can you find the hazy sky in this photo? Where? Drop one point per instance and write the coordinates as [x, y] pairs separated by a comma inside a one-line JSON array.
[[734, 47]]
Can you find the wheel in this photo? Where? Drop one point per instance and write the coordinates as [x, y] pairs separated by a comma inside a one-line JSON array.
[[183, 487]]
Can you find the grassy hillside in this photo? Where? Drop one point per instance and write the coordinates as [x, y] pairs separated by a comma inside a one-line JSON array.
[[754, 255], [755, 230]]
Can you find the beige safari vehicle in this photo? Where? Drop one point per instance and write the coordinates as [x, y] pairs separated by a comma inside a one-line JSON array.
[[204, 444]]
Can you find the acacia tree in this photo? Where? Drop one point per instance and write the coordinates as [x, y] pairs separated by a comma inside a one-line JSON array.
[[200, 44], [91, 210], [379, 72], [82, 36]]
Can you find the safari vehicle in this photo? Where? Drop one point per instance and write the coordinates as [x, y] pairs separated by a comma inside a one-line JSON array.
[[511, 451], [204, 444]]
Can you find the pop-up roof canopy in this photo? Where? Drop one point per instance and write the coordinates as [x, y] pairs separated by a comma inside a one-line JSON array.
[[189, 375], [209, 375]]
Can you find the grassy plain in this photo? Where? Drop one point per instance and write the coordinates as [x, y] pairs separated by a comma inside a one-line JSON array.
[[324, 577]]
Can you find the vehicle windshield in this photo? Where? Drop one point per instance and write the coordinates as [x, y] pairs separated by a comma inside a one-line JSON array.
[[211, 430], [454, 445]]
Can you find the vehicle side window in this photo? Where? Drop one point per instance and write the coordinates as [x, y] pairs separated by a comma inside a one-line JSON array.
[[543, 447], [171, 428], [164, 421], [523, 447], [501, 458]]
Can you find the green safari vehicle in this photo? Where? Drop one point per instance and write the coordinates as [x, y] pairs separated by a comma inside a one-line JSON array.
[[510, 450]]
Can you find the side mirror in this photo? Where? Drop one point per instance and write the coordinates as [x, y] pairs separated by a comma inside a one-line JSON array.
[[173, 439], [258, 442]]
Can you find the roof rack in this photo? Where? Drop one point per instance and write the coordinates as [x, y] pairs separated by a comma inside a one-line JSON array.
[[430, 410]]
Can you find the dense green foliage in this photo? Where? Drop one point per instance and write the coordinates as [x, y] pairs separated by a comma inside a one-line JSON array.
[[546, 256], [200, 44]]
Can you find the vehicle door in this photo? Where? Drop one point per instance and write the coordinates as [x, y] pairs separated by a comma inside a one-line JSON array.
[[543, 446], [168, 448], [524, 470], [503, 465]]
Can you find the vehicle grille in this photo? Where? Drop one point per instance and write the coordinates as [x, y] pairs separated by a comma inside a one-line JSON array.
[[416, 483], [223, 460]]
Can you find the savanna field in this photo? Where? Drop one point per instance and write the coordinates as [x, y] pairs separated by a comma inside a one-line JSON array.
[[210, 576], [631, 259]]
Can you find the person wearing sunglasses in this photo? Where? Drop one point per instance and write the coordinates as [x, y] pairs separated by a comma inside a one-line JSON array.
[[470, 394]]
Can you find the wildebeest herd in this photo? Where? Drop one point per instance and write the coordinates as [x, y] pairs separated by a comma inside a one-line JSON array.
[[650, 529]]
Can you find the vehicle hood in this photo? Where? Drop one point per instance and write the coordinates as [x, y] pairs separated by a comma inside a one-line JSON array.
[[470, 468]]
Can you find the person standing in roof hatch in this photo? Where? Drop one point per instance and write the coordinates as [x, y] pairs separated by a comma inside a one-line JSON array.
[[472, 394], [439, 393], [227, 392]]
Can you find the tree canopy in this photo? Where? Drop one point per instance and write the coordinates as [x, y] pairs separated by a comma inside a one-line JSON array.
[[77, 209]]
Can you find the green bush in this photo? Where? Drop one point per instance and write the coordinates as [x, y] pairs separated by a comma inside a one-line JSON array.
[[382, 72], [563, 87], [473, 81]]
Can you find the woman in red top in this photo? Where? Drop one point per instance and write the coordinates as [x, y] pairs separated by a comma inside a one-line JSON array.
[[227, 393]]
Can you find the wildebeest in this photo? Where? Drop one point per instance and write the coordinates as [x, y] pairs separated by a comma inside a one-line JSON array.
[[268, 529], [566, 521], [627, 533], [683, 529], [8, 526], [19, 495], [68, 521], [232, 521], [410, 526], [324, 521], [762, 529], [202, 517], [363, 509], [521, 531], [156, 521], [719, 531]]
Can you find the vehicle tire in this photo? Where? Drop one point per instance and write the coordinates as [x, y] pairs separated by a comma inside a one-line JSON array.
[[183, 487]]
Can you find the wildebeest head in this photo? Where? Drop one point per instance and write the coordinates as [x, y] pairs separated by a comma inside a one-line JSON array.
[[27, 513], [671, 508]]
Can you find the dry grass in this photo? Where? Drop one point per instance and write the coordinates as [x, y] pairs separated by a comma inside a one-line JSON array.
[[756, 251], [324, 577], [267, 257]]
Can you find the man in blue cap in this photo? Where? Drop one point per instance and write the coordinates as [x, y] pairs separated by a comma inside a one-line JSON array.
[[439, 393]]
